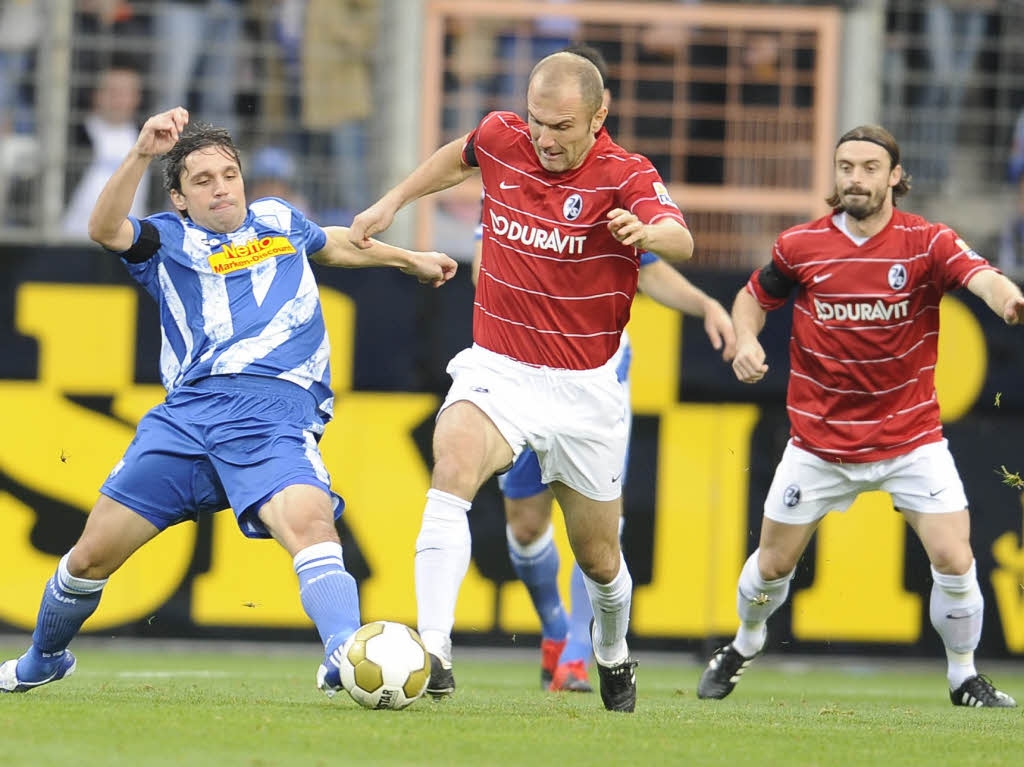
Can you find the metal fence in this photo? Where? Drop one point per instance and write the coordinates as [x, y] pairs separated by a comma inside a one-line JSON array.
[[334, 100]]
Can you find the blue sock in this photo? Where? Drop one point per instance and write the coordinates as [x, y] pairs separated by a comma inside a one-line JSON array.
[[329, 593], [578, 647], [67, 603], [537, 567]]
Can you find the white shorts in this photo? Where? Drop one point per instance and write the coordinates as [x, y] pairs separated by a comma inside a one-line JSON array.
[[806, 487], [577, 421]]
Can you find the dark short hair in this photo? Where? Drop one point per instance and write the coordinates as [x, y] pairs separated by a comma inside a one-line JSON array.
[[593, 55], [874, 134], [197, 135]]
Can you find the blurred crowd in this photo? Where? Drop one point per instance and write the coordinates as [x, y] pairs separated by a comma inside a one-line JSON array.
[[292, 81], [297, 82]]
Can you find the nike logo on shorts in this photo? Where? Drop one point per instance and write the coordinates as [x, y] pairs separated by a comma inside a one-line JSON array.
[[934, 493]]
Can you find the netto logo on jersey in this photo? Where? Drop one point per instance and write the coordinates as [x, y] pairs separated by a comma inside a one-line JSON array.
[[865, 311], [573, 207], [234, 257], [541, 239]]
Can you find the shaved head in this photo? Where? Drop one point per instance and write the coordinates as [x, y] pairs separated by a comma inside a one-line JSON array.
[[555, 70]]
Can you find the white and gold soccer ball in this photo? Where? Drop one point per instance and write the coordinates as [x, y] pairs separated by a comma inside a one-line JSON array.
[[384, 665]]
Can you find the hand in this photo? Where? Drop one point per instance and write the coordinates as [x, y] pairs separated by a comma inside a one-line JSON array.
[[718, 326], [433, 269], [1013, 312], [371, 221], [627, 228], [749, 361], [160, 132]]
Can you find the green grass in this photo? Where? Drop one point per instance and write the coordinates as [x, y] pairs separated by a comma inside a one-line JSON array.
[[178, 706]]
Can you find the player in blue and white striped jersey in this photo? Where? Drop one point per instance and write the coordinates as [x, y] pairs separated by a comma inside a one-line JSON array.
[[245, 362]]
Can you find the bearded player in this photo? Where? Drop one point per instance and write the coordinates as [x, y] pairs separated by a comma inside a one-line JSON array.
[[862, 405]]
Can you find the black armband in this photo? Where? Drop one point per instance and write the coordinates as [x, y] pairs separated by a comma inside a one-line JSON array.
[[773, 282], [469, 154], [144, 247]]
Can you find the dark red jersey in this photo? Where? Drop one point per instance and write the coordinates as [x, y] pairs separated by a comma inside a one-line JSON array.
[[555, 286], [865, 332]]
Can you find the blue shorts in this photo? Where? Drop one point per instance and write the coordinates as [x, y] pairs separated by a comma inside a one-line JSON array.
[[226, 440], [523, 479]]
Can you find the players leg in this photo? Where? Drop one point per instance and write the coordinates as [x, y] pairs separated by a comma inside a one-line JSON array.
[[301, 518], [468, 449], [112, 533], [927, 481], [534, 556], [593, 529], [957, 606], [803, 490]]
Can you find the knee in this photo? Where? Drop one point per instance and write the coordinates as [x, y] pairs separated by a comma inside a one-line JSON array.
[[953, 559], [526, 528], [524, 533], [773, 565], [84, 561], [600, 566], [454, 474]]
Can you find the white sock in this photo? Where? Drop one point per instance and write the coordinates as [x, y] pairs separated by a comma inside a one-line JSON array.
[[756, 600], [611, 603], [442, 559], [956, 609]]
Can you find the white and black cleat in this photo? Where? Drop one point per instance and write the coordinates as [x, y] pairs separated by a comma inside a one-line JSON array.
[[979, 692], [723, 672], [442, 681]]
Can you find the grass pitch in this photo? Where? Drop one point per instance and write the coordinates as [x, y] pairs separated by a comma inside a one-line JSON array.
[[181, 705]]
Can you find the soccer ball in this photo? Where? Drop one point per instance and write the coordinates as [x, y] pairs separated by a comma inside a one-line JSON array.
[[384, 665]]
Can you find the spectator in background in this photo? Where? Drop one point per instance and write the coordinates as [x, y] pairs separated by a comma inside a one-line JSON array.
[[199, 45], [272, 173], [19, 20], [337, 99], [1011, 247], [19, 149], [954, 31], [101, 141]]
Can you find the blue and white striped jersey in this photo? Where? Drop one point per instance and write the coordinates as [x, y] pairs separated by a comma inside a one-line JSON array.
[[241, 302]]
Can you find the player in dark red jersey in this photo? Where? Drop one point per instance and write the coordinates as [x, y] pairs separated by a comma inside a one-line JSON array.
[[566, 213], [862, 404]]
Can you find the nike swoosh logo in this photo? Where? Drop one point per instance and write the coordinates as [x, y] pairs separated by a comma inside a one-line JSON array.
[[503, 185], [935, 493], [820, 278]]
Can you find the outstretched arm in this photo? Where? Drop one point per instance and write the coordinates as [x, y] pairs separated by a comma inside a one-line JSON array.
[[441, 170], [429, 268], [748, 318], [109, 224], [1002, 296], [669, 288]]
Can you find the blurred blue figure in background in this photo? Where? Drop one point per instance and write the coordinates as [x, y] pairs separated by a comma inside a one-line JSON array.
[[199, 38], [954, 31], [1011, 247]]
